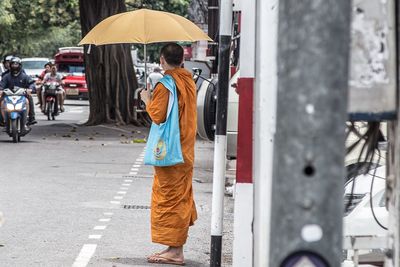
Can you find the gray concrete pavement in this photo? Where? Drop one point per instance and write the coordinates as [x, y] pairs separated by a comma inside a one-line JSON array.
[[67, 189]]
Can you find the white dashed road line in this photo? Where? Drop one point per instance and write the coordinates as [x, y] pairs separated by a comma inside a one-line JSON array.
[[94, 236], [88, 250], [100, 227], [84, 256]]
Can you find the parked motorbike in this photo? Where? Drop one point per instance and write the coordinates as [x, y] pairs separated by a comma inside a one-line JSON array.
[[51, 102], [15, 105]]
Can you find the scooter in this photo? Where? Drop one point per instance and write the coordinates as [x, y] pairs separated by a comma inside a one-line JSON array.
[[15, 106], [50, 92]]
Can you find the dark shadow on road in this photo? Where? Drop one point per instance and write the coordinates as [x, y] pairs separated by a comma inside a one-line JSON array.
[[21, 142], [143, 262]]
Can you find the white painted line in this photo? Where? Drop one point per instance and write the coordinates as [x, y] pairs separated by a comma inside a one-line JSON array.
[[94, 236], [126, 184], [108, 213], [121, 192], [116, 129], [84, 256], [100, 227], [135, 169], [115, 202], [123, 188], [105, 220], [136, 166], [128, 181], [140, 159], [132, 173], [118, 197]]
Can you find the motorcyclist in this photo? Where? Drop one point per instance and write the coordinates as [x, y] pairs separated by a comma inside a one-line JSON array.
[[53, 76], [39, 84], [6, 64], [17, 77]]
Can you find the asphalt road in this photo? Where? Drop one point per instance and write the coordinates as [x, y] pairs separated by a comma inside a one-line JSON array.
[[74, 195]]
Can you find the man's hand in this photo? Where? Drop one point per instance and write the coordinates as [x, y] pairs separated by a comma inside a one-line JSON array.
[[145, 95]]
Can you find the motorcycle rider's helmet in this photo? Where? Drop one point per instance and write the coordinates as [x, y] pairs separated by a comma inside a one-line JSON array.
[[7, 58], [6, 61], [15, 65]]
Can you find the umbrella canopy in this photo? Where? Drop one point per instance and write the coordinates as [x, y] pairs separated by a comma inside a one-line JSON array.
[[144, 26]]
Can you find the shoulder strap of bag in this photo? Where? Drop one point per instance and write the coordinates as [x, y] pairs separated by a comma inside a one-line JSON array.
[[169, 83]]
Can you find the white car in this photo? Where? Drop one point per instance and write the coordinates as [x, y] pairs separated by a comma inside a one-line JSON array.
[[34, 66], [359, 219]]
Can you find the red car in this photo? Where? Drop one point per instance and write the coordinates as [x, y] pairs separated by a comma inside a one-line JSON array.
[[69, 62]]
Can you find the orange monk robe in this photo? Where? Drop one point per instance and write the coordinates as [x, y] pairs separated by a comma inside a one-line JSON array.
[[172, 206]]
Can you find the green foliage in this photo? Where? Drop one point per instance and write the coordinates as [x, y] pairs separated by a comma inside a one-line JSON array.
[[6, 18], [179, 7], [38, 27]]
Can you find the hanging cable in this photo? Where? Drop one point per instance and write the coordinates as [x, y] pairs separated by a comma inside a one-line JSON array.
[[370, 195]]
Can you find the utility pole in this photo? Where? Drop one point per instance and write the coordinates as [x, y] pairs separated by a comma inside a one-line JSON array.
[[309, 80], [220, 133]]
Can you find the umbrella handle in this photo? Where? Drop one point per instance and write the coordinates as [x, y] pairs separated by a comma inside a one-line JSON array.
[[145, 66]]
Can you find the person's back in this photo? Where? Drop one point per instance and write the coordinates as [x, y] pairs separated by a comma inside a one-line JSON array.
[[154, 78], [187, 110]]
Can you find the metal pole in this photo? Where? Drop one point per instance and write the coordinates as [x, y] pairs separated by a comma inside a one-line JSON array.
[[308, 170], [213, 18], [145, 66], [220, 133]]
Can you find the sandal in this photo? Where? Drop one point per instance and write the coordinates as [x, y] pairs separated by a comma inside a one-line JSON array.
[[163, 260]]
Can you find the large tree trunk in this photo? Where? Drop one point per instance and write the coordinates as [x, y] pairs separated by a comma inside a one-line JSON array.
[[110, 74]]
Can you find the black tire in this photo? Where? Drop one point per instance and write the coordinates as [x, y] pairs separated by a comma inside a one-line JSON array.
[[14, 131], [210, 109], [49, 110]]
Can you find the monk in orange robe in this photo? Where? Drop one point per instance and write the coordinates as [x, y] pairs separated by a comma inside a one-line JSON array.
[[172, 206]]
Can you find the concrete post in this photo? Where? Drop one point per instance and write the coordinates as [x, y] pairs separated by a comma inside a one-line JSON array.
[[308, 147]]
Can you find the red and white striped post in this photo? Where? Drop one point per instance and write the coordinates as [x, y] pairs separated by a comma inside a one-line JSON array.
[[243, 217]]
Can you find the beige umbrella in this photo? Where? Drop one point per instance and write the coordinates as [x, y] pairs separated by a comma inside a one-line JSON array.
[[144, 26]]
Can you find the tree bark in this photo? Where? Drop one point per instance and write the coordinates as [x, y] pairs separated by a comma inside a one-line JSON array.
[[109, 69]]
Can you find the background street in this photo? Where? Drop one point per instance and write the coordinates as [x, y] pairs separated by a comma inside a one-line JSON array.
[[72, 194]]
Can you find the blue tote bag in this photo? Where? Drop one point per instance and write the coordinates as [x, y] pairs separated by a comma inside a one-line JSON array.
[[163, 146]]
